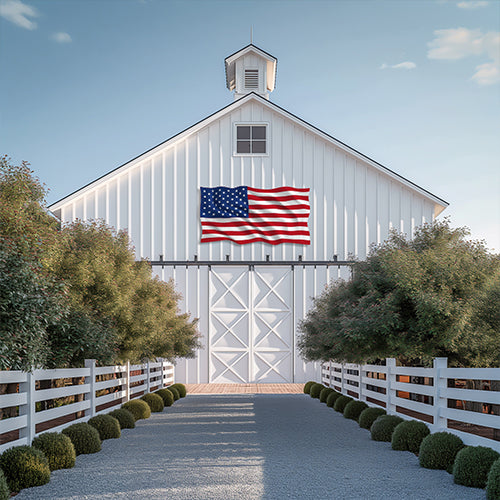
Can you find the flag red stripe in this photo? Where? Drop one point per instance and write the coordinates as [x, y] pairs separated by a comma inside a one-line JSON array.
[[254, 240], [279, 207], [277, 190], [256, 231], [277, 198], [248, 223]]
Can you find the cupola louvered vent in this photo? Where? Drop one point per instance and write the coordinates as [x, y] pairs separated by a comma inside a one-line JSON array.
[[252, 78]]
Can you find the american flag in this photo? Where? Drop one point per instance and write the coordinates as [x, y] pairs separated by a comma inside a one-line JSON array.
[[246, 215]]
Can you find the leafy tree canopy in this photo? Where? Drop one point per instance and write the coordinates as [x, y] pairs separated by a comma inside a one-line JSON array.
[[435, 295]]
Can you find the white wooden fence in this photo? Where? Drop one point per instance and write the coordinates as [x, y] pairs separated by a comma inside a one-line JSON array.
[[80, 393], [440, 396]]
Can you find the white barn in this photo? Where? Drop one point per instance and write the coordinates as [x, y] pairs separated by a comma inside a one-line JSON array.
[[249, 298]]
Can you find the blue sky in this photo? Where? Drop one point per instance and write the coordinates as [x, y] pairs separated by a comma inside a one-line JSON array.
[[87, 85]]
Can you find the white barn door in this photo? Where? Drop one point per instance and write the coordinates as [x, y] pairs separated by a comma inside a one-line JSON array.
[[251, 334]]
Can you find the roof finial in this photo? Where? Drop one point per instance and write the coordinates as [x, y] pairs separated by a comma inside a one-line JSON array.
[[251, 35]]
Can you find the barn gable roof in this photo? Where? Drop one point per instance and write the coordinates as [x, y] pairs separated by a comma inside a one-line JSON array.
[[439, 203]]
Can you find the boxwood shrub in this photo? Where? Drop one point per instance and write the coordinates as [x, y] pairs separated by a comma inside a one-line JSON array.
[[84, 437], [154, 401], [181, 389], [384, 426], [175, 393], [472, 465], [332, 397], [408, 435], [341, 403], [323, 395], [438, 451], [493, 484], [368, 416], [354, 409], [58, 449], [107, 426], [124, 417], [139, 408], [308, 385], [166, 395], [316, 390], [4, 487], [24, 467]]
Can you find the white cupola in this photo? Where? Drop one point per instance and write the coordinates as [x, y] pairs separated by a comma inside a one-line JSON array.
[[250, 70]]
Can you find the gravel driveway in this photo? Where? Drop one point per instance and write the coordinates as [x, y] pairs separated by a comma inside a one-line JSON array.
[[244, 447]]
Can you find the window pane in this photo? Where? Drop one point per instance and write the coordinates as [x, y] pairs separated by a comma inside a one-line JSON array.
[[258, 132], [242, 132], [243, 146], [258, 146]]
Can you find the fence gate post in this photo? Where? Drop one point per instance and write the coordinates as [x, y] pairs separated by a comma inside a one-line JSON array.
[[148, 381], [440, 401], [330, 364], [342, 379], [90, 396], [29, 408], [127, 382], [391, 383], [361, 396], [161, 373]]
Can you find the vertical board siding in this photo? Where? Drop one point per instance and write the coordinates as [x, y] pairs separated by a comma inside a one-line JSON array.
[[157, 200]]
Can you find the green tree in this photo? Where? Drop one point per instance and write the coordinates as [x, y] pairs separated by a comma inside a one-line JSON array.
[[104, 279], [413, 300], [30, 303]]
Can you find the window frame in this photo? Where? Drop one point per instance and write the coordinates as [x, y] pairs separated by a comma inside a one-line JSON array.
[[250, 124]]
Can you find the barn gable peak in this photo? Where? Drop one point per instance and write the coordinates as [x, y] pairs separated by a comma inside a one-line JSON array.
[[250, 69]]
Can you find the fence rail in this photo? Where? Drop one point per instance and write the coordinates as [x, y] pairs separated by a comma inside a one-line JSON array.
[[32, 403], [464, 401]]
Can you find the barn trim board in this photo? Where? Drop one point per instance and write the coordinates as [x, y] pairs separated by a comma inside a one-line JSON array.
[[251, 298]]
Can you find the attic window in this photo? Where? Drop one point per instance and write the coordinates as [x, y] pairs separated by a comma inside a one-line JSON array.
[[251, 139], [252, 78]]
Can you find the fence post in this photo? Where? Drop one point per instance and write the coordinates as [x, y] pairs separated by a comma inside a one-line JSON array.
[[127, 382], [342, 379], [391, 381], [330, 369], [161, 373], [29, 408], [90, 396], [361, 396], [148, 381], [440, 400]]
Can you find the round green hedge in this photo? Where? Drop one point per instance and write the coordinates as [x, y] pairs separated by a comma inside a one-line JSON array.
[[472, 465], [107, 426], [124, 417], [354, 409], [181, 388], [167, 396], [323, 395], [341, 403], [316, 390], [24, 467], [175, 393], [332, 397], [139, 408], [4, 487], [58, 449], [438, 451], [368, 416], [308, 385], [384, 426], [408, 436], [154, 401], [493, 484], [84, 437]]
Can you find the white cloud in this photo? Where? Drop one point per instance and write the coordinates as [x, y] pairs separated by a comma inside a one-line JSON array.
[[472, 4], [454, 44], [18, 13], [62, 37], [403, 65]]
